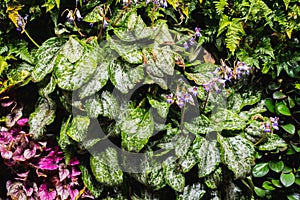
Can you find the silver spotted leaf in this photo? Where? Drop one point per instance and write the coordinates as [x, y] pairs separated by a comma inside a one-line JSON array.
[[136, 129], [46, 56], [238, 154], [89, 182], [78, 128], [192, 192], [207, 153], [105, 167]]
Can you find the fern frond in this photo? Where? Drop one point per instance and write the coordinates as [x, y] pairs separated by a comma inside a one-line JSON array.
[[220, 6]]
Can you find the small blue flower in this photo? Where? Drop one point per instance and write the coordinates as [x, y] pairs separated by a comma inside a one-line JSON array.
[[106, 24], [197, 32], [70, 17], [192, 41], [187, 97], [165, 4], [274, 121]]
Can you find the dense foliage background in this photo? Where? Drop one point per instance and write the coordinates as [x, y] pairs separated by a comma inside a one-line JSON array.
[[219, 122]]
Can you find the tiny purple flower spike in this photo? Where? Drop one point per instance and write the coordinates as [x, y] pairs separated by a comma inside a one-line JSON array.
[[78, 15], [180, 102], [267, 127], [197, 32], [185, 45], [274, 121], [206, 87], [170, 98]]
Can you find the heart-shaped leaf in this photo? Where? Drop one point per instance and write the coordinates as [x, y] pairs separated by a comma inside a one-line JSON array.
[[283, 109], [260, 170], [290, 128], [279, 95], [287, 179], [276, 166]]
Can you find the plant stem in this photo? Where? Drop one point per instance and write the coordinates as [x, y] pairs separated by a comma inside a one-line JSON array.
[[205, 101], [32, 40]]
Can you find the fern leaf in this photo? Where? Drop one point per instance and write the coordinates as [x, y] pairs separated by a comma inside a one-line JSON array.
[[220, 6]]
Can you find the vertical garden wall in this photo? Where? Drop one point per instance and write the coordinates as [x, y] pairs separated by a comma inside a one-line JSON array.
[[166, 99]]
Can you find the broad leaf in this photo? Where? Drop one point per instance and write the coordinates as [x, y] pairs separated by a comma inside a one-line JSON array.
[[162, 108], [188, 162], [287, 179], [73, 71], [273, 142], [225, 119], [290, 128], [199, 125], [208, 155], [213, 180], [46, 57], [98, 80], [123, 76], [276, 166], [173, 178], [89, 182], [260, 170], [105, 167], [238, 154], [43, 115], [78, 128], [192, 192], [136, 129]]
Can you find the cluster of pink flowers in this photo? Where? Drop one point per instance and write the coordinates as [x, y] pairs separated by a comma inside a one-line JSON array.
[[39, 172]]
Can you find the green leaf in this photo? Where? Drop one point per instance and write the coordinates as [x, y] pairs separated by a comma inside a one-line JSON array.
[[72, 50], [225, 119], [283, 109], [270, 105], [268, 185], [98, 80], [155, 175], [259, 192], [89, 182], [276, 166], [192, 192], [124, 76], [46, 57], [202, 73], [130, 52], [110, 105], [136, 129], [187, 162], [48, 89], [279, 95], [294, 196], [78, 128], [162, 108], [290, 128], [200, 125], [42, 116], [208, 155], [93, 16], [173, 178], [276, 183], [64, 140], [287, 179], [273, 142], [238, 154], [73, 75], [260, 169], [214, 180], [105, 167]]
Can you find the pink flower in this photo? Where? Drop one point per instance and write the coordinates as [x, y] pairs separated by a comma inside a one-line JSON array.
[[63, 172], [45, 193], [73, 192], [22, 122]]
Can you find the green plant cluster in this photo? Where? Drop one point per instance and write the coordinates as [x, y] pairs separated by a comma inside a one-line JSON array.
[[77, 63]]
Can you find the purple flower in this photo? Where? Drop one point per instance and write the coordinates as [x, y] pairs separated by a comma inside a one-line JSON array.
[[78, 15], [62, 191], [274, 121], [267, 127], [73, 161], [180, 102], [164, 4], [206, 87], [106, 24], [170, 98], [70, 17], [197, 32], [22, 122], [63, 172], [194, 91], [6, 154], [73, 192], [74, 176], [45, 193], [185, 45], [22, 176], [187, 97], [15, 190], [192, 41], [91, 24]]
